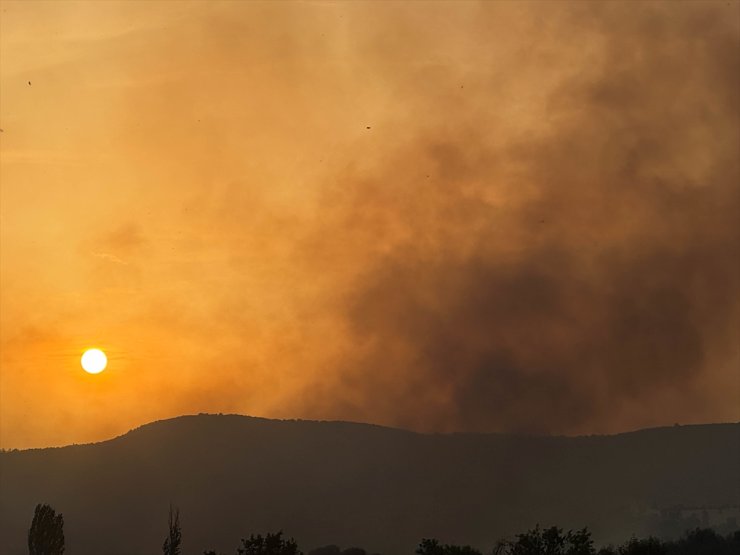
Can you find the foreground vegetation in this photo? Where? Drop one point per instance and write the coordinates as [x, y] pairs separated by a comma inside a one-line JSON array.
[[46, 537]]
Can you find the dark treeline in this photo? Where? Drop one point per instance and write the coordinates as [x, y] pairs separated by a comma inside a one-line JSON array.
[[553, 541], [46, 537]]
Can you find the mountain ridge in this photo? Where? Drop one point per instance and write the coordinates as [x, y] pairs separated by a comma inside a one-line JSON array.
[[360, 484], [183, 417]]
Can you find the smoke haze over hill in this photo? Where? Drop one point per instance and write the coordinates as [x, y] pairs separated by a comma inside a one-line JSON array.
[[479, 216]]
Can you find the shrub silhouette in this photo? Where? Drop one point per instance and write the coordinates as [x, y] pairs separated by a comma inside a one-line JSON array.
[[171, 545], [46, 535], [271, 544], [634, 546], [705, 541], [433, 547], [548, 541]]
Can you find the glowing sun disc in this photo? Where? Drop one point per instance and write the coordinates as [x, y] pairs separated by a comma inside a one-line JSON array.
[[94, 361]]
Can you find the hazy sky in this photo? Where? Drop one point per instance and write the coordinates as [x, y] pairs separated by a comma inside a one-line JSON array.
[[442, 216]]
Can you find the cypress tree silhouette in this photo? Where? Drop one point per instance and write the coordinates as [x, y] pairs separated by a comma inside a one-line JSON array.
[[46, 535], [171, 545]]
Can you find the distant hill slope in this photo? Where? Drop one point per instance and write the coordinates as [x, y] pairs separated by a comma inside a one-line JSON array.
[[356, 484]]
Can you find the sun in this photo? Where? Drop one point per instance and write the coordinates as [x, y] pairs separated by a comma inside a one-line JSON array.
[[94, 361]]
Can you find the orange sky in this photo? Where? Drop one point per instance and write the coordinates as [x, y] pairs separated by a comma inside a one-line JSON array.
[[444, 216]]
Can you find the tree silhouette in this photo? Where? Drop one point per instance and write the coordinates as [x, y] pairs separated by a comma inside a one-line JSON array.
[[705, 541], [430, 546], [433, 547], [579, 542], [171, 545], [548, 541], [645, 546], [271, 544], [46, 535]]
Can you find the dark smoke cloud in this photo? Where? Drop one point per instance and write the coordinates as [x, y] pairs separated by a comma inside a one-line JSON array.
[[584, 278], [513, 216]]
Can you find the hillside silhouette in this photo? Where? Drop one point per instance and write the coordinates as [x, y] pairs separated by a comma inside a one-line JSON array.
[[358, 484]]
